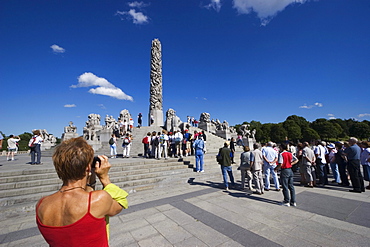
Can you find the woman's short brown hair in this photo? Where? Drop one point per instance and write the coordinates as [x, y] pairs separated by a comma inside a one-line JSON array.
[[71, 159], [246, 149]]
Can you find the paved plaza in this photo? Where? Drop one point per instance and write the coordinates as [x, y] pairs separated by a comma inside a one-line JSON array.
[[197, 212]]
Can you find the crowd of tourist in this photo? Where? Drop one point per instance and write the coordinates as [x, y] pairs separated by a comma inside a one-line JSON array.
[[314, 163]]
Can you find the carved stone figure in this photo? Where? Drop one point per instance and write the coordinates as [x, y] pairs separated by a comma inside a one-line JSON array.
[[173, 122], [109, 122], [70, 128], [94, 119], [225, 125], [156, 104], [205, 118], [124, 115], [244, 130]]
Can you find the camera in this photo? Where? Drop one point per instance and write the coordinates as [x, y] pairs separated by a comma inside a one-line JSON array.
[[96, 159], [92, 180]]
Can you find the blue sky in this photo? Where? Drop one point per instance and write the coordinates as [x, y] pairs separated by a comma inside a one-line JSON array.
[[238, 60]]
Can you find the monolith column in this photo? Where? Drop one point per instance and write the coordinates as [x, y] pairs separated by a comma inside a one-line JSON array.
[[156, 109]]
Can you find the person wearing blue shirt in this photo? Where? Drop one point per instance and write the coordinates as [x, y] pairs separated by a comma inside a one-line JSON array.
[[353, 153], [198, 146]]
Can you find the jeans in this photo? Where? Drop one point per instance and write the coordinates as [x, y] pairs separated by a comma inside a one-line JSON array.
[[227, 170], [199, 160], [286, 176], [146, 150], [322, 173], [36, 151], [335, 171], [267, 169]]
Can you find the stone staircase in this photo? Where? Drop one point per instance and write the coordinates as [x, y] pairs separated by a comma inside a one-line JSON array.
[[20, 190], [213, 142]]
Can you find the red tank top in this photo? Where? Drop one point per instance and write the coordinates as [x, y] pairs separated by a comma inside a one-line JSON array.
[[87, 231]]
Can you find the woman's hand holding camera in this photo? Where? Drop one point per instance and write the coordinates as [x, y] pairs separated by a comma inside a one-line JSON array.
[[102, 169]]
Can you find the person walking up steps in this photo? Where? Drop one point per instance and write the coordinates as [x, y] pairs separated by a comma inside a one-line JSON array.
[[198, 146]]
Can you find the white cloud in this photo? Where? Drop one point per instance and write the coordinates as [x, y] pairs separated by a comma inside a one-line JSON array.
[[104, 87], [331, 116], [215, 4], [57, 49], [138, 5], [265, 9], [136, 17], [363, 115], [102, 106], [317, 104], [70, 105], [306, 106]]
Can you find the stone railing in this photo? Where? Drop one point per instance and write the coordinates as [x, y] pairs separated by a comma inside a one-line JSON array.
[[3, 153]]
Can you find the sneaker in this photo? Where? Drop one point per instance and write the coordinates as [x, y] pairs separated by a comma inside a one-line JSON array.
[[202, 171], [227, 189], [293, 204], [286, 204]]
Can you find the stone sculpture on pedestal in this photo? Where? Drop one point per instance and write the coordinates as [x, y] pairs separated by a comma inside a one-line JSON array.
[[205, 123], [91, 132], [49, 139], [70, 132], [173, 122], [156, 109], [248, 135]]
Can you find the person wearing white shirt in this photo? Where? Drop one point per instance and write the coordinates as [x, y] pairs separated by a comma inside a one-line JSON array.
[[12, 146], [35, 145]]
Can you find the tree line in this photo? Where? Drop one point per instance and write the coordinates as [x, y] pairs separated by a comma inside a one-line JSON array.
[[298, 129]]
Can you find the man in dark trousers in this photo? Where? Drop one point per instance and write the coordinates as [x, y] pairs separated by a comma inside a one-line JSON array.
[[225, 161], [353, 153]]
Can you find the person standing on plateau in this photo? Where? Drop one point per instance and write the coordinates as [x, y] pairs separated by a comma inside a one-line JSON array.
[[286, 161]]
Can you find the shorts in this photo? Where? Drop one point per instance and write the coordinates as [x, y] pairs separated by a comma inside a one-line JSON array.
[[11, 149]]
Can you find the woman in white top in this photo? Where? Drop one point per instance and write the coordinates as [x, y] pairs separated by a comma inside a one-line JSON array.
[[12, 146]]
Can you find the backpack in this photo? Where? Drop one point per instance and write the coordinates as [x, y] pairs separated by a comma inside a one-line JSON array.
[[126, 140], [111, 141], [161, 139], [31, 143], [156, 141], [219, 157]]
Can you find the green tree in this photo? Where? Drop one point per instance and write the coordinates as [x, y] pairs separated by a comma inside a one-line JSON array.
[[293, 130], [360, 130], [301, 121], [343, 124], [309, 134], [265, 132], [326, 129], [278, 133]]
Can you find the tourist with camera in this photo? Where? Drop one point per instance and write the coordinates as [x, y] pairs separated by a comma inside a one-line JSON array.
[[76, 215]]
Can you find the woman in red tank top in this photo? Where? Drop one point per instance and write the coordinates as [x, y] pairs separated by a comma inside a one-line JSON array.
[[73, 216]]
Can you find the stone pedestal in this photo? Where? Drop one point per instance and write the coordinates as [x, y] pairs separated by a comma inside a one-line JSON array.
[[46, 146], [105, 135], [248, 142], [207, 127], [157, 116], [69, 135], [95, 144], [223, 134]]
